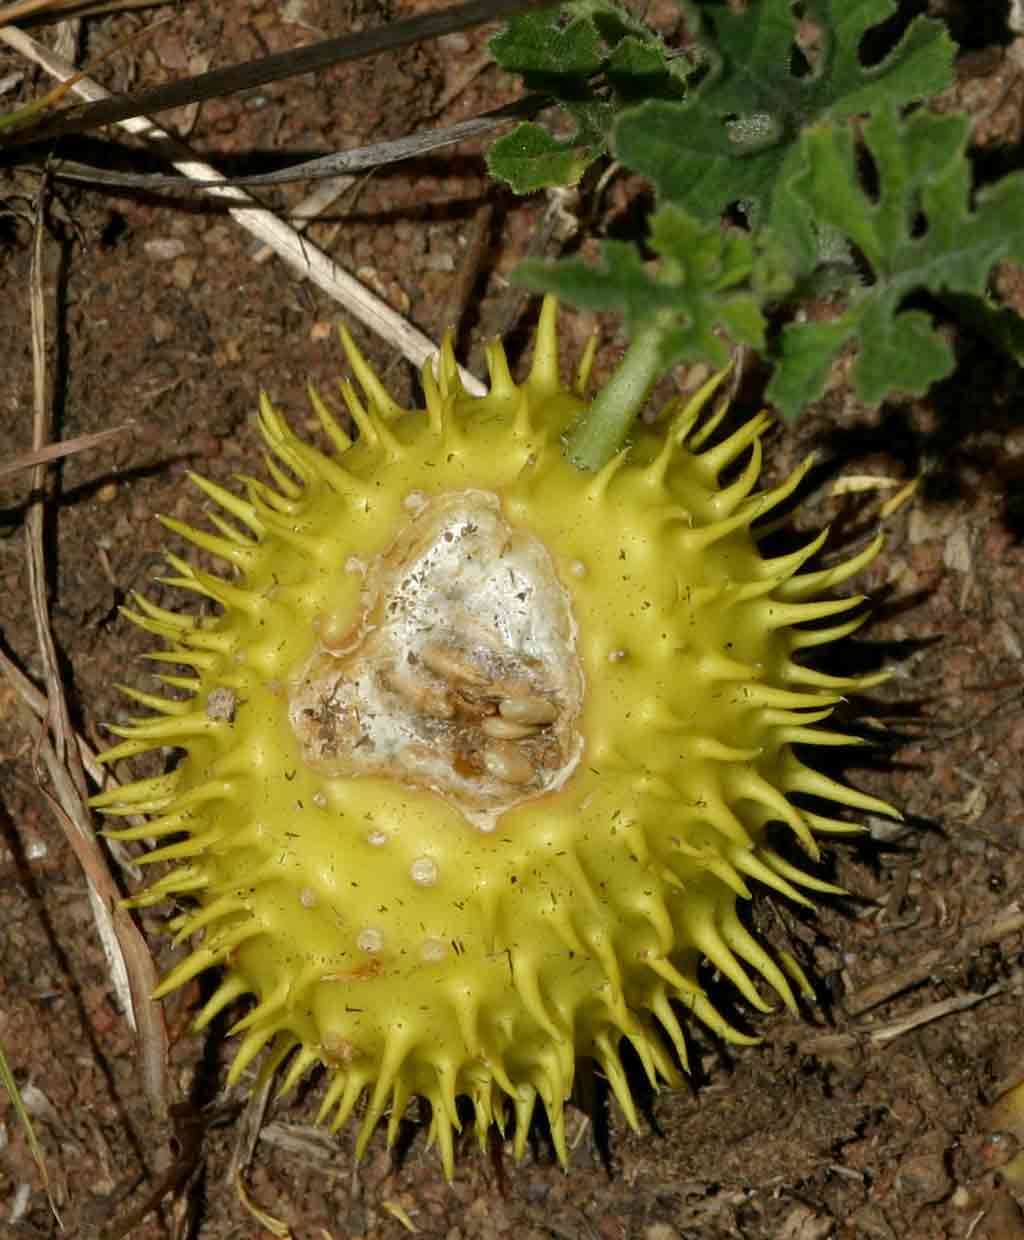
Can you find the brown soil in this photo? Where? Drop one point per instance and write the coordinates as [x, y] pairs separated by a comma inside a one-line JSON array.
[[158, 314]]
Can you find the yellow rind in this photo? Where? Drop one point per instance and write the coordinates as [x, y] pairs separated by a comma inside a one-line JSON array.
[[588, 914]]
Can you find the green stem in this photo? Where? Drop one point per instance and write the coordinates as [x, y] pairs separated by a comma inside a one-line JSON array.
[[603, 428]]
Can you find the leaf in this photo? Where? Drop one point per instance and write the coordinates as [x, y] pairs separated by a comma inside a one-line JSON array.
[[731, 138], [917, 234], [637, 69], [591, 57], [541, 45], [529, 158], [707, 282]]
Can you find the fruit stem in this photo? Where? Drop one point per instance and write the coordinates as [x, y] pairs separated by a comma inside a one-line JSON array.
[[603, 428]]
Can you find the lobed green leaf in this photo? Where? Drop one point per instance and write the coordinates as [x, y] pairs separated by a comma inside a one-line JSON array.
[[918, 233], [530, 158], [592, 58], [733, 138], [708, 286]]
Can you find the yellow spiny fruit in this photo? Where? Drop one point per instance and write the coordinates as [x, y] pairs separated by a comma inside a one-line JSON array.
[[481, 751]]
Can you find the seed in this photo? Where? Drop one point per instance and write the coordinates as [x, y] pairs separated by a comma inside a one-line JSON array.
[[505, 730], [425, 698], [472, 709], [528, 710], [507, 763], [451, 664]]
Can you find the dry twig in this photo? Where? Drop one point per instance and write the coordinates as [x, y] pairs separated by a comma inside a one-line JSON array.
[[968, 940], [301, 255], [25, 8], [133, 973], [55, 451], [886, 1031]]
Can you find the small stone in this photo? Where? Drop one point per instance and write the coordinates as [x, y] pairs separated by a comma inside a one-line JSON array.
[[956, 554], [184, 272], [922, 1174], [803, 1223], [164, 249], [454, 44], [660, 1231], [160, 329]]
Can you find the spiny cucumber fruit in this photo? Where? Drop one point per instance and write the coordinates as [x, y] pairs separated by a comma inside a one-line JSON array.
[[481, 751]]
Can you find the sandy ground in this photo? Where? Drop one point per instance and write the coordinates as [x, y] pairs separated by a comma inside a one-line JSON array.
[[865, 1119]]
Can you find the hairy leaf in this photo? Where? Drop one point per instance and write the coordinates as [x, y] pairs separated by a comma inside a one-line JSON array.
[[529, 158], [766, 78], [706, 283], [542, 45], [592, 58], [917, 233]]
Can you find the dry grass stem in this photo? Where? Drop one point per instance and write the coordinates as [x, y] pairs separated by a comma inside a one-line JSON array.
[[929, 964], [37, 704], [58, 718], [25, 8], [300, 254], [310, 209], [78, 8], [56, 451], [887, 1031], [968, 940], [932, 1011], [133, 973], [101, 775], [247, 1131], [10, 1085]]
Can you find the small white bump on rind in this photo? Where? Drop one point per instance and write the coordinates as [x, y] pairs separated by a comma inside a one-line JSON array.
[[222, 704], [616, 656], [355, 565], [423, 871], [578, 568], [370, 940], [377, 838], [320, 800], [433, 950], [307, 897], [414, 502]]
